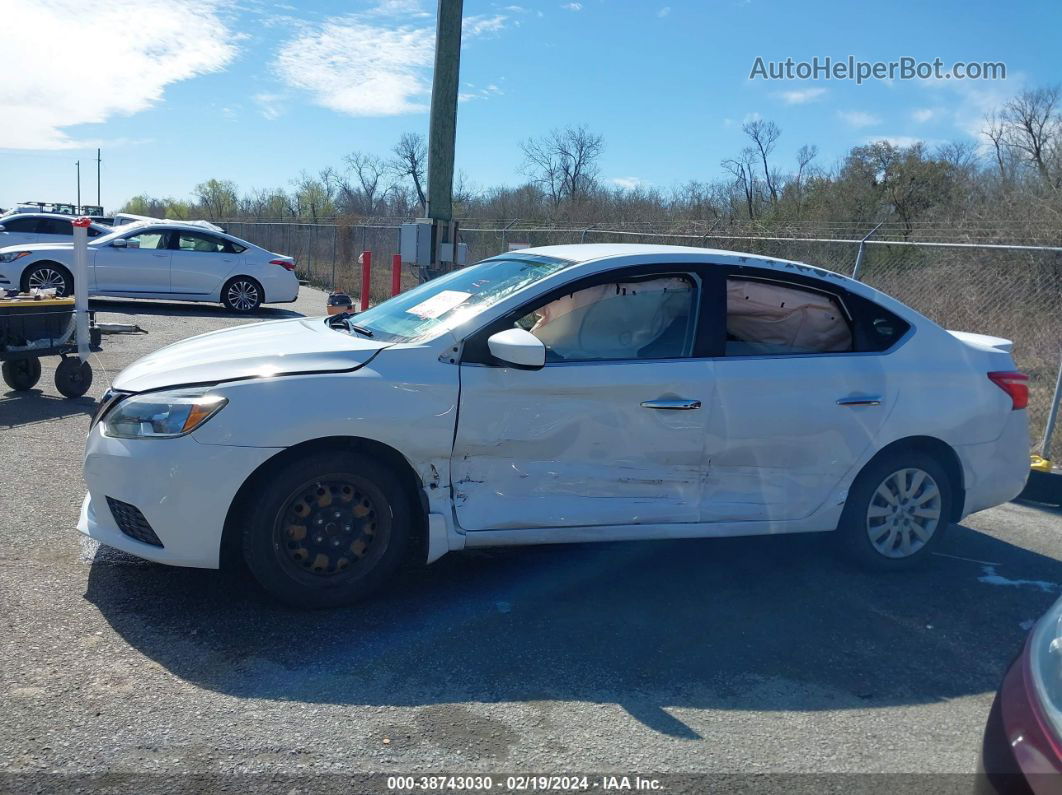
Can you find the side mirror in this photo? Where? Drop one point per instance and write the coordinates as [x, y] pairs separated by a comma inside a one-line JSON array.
[[518, 347], [120, 243]]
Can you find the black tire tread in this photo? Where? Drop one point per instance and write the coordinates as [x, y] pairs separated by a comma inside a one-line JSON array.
[[269, 497], [851, 528]]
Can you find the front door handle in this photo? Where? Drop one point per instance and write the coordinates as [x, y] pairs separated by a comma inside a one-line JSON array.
[[160, 255], [874, 400], [672, 405]]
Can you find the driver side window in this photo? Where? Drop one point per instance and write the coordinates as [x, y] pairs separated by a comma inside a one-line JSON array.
[[651, 318], [147, 240]]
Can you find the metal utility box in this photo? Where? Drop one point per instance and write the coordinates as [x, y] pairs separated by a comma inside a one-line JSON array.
[[415, 243], [446, 253]]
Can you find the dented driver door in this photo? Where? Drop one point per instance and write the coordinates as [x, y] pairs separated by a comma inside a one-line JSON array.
[[581, 444]]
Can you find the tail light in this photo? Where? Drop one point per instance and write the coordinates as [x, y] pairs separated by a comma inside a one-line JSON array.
[[288, 265], [1014, 384]]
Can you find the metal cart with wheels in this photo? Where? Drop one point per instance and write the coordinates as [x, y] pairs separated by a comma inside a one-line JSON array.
[[31, 328]]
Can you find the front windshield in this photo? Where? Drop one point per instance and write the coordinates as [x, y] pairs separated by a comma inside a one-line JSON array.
[[447, 302]]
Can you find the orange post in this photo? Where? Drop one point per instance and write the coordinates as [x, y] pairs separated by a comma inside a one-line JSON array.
[[396, 274], [366, 278]]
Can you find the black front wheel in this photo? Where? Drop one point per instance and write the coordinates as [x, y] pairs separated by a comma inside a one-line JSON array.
[[22, 374], [73, 377], [326, 530]]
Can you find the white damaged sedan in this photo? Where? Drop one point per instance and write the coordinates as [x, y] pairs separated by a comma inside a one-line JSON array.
[[558, 394]]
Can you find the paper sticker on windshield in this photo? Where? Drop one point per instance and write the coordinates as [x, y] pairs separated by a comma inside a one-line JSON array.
[[439, 304]]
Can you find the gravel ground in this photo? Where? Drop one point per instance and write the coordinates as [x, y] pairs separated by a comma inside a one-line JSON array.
[[739, 655]]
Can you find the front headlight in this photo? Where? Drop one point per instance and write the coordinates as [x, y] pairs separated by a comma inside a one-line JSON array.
[[1045, 660], [11, 256], [162, 415]]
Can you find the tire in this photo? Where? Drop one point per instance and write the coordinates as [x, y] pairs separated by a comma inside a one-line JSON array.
[[885, 529], [22, 374], [73, 377], [49, 274], [242, 295], [326, 530]]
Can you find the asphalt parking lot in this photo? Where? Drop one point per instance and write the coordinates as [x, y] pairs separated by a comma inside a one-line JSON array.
[[740, 655]]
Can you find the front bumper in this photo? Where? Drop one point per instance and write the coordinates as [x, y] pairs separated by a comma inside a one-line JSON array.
[[183, 488]]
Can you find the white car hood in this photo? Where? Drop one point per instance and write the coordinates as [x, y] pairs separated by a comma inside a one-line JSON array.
[[279, 347]]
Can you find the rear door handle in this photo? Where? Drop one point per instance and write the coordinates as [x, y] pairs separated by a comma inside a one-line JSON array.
[[672, 405], [860, 401], [160, 255]]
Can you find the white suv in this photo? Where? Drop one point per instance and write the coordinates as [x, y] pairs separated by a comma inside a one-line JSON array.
[[20, 229]]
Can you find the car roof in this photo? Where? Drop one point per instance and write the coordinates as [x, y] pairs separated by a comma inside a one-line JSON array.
[[599, 253], [59, 216], [578, 253]]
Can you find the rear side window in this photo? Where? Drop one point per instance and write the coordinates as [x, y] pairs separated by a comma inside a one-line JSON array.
[[53, 226], [197, 241], [876, 328], [194, 241], [773, 318]]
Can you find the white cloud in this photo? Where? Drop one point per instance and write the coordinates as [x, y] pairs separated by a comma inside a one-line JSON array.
[[47, 50], [269, 105], [922, 115], [801, 97], [572, 6], [361, 69], [473, 93], [858, 118], [628, 183], [367, 68], [972, 100], [663, 12], [400, 8], [751, 117], [481, 25]]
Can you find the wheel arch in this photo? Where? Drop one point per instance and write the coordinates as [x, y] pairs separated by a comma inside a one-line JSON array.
[[23, 281], [230, 551], [239, 274], [942, 452]]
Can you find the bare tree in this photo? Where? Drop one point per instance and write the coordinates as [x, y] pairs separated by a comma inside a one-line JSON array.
[[410, 158], [369, 171], [804, 156], [764, 135], [995, 130], [564, 163], [744, 177], [1033, 126]]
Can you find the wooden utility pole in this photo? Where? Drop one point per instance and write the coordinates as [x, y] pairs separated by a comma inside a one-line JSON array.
[[442, 132]]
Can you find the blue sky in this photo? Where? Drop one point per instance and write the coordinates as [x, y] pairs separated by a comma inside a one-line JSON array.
[[177, 91]]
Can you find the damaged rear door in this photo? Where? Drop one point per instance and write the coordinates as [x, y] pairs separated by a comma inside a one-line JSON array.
[[611, 431]]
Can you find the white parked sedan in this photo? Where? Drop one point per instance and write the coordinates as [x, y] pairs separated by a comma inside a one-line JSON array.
[[558, 394], [169, 260]]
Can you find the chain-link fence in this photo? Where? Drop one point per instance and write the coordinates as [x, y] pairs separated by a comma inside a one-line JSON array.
[[1012, 291]]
